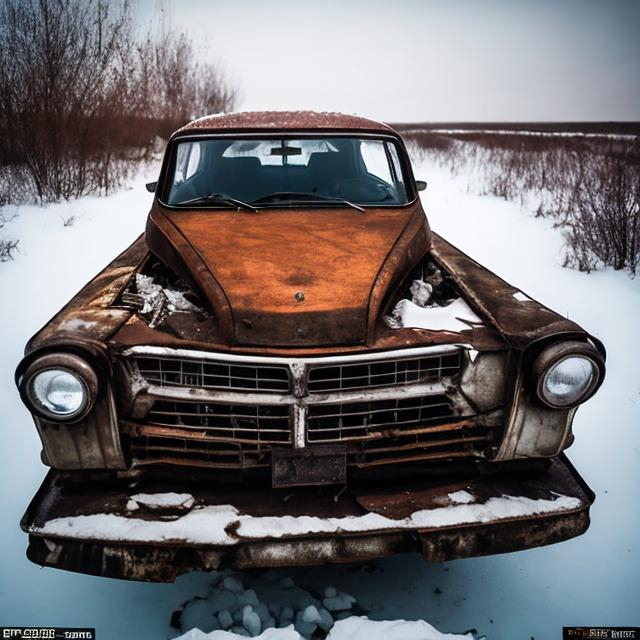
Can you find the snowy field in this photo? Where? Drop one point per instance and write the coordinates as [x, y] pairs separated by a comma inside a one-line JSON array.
[[592, 580]]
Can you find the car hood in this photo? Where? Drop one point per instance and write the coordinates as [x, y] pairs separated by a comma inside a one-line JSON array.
[[291, 277]]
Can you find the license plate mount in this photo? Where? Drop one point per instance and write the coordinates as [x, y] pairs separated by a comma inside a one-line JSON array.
[[317, 465]]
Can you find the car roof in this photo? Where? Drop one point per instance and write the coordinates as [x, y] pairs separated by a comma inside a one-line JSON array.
[[282, 120]]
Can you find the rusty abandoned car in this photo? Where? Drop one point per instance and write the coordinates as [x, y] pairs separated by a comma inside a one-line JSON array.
[[289, 367]]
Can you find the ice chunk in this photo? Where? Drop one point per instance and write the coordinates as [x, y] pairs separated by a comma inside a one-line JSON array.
[[240, 631], [461, 497], [251, 621], [151, 293], [233, 584], [339, 602], [225, 618], [160, 500], [263, 611], [178, 302], [420, 292], [149, 290], [248, 597], [326, 619], [456, 316], [311, 615], [305, 629], [222, 599], [330, 592], [286, 616], [197, 613], [132, 505]]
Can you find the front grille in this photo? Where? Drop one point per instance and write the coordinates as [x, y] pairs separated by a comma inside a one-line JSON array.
[[258, 423], [454, 440], [383, 373], [210, 412], [361, 420], [208, 374], [200, 452]]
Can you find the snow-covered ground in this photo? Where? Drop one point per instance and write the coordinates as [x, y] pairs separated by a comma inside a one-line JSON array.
[[592, 580]]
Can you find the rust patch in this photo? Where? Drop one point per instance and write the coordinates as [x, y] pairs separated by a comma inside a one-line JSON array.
[[518, 323], [89, 314], [165, 559], [249, 267], [282, 120]]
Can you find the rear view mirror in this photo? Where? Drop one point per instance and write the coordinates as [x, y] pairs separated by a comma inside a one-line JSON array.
[[151, 186], [421, 185], [286, 151]]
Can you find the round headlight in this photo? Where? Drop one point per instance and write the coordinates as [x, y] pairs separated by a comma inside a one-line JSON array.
[[60, 387], [58, 392], [565, 382], [567, 374]]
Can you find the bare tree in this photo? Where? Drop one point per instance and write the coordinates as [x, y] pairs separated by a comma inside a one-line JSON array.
[[80, 96]]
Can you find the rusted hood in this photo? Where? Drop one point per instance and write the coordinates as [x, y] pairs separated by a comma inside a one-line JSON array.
[[291, 277]]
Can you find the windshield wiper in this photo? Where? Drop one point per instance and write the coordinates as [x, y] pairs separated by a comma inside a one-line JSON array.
[[220, 198], [292, 196]]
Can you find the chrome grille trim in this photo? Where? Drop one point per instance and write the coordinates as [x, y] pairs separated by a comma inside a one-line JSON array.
[[144, 350], [383, 373], [259, 423], [201, 373], [235, 397], [359, 420]]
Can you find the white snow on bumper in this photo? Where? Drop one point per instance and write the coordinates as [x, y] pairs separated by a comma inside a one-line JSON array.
[[224, 525]]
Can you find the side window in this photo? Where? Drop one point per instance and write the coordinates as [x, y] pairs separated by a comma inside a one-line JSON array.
[[395, 162], [193, 164], [375, 159], [187, 161]]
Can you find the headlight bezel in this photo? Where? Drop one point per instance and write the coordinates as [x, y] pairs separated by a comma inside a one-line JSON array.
[[556, 353], [66, 362]]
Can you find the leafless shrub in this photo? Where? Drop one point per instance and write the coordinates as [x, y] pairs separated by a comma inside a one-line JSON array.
[[7, 247], [604, 226], [82, 98], [589, 187]]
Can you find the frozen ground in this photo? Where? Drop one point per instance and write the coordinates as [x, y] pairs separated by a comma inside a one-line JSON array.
[[592, 580]]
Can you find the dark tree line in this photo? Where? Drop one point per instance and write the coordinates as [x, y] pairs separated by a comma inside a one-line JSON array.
[[82, 96]]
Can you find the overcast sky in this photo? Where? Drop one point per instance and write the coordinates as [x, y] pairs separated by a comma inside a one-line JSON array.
[[423, 60]]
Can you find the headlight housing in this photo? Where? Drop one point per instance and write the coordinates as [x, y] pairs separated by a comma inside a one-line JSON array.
[[60, 387], [568, 373]]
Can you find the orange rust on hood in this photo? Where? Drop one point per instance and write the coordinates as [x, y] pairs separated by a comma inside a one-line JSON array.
[[291, 277]]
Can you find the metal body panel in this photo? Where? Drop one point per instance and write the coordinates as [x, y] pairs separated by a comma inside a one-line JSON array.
[[306, 277], [92, 443], [282, 120]]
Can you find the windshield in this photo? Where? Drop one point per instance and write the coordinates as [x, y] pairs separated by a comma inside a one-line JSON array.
[[286, 171]]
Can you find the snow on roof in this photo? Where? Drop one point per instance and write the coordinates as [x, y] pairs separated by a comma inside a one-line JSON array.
[[255, 120]]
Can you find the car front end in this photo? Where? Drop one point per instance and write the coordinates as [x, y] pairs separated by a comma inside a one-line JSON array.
[[260, 381]]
